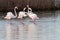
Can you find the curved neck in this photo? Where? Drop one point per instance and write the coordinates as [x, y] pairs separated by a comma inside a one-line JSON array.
[[15, 12]]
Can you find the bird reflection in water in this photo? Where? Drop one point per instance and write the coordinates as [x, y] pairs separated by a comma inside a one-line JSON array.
[[8, 31], [32, 31], [21, 31], [11, 31], [27, 32]]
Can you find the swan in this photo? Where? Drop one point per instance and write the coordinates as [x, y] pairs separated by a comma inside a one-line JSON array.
[[32, 15], [22, 14], [10, 15]]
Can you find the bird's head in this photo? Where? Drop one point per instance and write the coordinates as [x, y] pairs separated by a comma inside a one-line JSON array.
[[16, 7]]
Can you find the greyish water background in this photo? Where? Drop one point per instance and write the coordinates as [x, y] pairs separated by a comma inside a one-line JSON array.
[[46, 28]]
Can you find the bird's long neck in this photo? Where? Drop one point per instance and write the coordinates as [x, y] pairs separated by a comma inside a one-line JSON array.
[[15, 12]]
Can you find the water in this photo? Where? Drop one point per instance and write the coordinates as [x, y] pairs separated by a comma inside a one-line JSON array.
[[46, 28]]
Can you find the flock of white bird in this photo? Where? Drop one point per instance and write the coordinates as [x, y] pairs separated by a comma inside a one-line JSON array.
[[21, 14]]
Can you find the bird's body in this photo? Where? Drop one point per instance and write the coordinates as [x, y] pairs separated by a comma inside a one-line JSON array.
[[32, 15], [10, 15], [22, 14]]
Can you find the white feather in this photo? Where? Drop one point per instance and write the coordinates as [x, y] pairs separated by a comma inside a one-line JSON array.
[[22, 14]]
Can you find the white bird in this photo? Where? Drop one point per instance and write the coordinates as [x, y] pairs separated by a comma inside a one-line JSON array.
[[10, 15], [22, 14], [32, 15]]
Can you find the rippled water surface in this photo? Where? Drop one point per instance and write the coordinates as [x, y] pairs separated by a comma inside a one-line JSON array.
[[46, 28]]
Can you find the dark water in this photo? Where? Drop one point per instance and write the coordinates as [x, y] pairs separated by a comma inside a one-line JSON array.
[[46, 28]]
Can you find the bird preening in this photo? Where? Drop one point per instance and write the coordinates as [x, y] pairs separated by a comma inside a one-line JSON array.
[[27, 12]]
